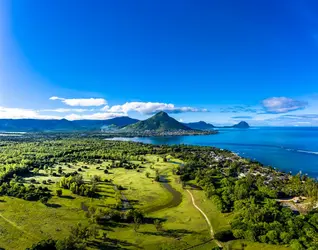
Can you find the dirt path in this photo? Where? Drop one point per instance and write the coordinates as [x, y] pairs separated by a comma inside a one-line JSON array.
[[126, 204], [19, 228], [206, 219]]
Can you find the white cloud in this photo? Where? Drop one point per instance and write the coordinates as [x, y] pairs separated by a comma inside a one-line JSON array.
[[19, 113], [84, 102], [63, 110], [95, 116], [282, 105], [150, 108]]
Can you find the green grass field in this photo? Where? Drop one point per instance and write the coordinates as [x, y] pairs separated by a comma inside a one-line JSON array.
[[23, 223]]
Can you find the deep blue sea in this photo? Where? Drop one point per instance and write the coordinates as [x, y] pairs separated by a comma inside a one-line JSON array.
[[288, 149]]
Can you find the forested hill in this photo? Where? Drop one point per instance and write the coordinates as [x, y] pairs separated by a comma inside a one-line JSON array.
[[34, 125], [159, 122]]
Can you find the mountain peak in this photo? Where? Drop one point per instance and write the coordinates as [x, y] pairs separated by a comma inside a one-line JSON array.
[[242, 124], [162, 114], [158, 122]]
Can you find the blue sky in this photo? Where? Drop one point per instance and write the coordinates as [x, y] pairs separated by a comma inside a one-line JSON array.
[[218, 61]]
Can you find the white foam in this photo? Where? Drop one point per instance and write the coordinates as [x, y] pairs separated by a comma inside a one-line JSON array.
[[307, 152]]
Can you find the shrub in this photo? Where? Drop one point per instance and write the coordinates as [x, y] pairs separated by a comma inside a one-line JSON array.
[[44, 182], [44, 200], [224, 236], [59, 192]]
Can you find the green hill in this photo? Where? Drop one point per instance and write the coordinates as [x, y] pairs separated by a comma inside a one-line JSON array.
[[160, 122], [201, 125]]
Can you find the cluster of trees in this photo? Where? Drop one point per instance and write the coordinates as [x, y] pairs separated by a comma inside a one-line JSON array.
[[268, 222], [29, 193], [77, 240], [77, 186], [253, 198]]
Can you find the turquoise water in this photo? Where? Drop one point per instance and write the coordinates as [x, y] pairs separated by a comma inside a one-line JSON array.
[[288, 149]]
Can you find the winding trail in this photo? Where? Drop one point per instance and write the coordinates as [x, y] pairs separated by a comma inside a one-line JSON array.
[[206, 219]]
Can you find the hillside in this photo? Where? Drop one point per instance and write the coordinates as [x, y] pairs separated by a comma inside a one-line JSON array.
[[160, 122], [201, 125], [37, 125], [34, 125], [118, 122]]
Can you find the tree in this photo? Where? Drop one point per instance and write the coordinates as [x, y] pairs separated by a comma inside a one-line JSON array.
[[158, 225], [137, 223], [60, 170], [44, 200], [147, 174], [59, 192]]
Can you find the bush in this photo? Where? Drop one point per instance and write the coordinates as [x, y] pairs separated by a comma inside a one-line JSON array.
[[59, 192], [224, 236], [44, 200], [44, 245], [44, 182]]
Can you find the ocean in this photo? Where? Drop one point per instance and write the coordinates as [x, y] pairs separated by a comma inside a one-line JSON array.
[[292, 149]]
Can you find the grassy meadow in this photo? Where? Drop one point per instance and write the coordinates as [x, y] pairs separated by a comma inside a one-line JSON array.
[[23, 223]]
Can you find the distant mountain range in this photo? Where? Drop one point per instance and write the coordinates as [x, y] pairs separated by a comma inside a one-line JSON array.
[[201, 125], [36, 125], [160, 122]]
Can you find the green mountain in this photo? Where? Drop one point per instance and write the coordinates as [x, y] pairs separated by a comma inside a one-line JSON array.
[[37, 125], [160, 122], [241, 124], [201, 125]]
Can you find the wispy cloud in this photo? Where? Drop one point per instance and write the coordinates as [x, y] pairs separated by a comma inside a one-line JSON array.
[[84, 102], [277, 105], [148, 108], [94, 116], [239, 109], [64, 110], [242, 117]]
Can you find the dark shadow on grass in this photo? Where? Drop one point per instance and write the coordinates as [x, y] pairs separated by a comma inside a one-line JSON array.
[[110, 243], [67, 197], [132, 202], [53, 205], [2, 201], [151, 220], [111, 224], [171, 233], [194, 187]]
